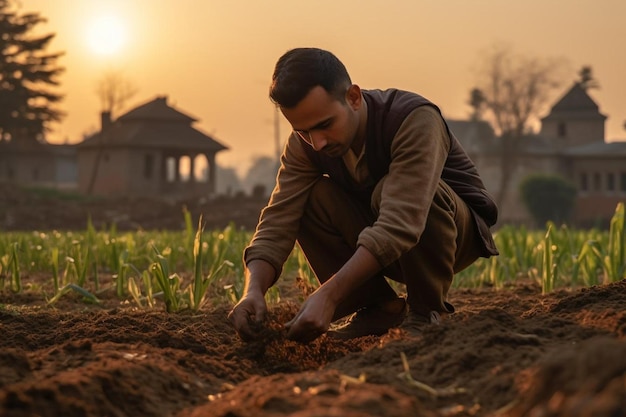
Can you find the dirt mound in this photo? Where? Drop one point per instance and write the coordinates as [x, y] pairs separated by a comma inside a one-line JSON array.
[[504, 353], [587, 380]]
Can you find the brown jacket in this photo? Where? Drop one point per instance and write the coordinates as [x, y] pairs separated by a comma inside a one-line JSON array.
[[409, 142]]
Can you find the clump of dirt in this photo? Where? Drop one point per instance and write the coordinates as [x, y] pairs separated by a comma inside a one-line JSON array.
[[510, 353], [587, 379]]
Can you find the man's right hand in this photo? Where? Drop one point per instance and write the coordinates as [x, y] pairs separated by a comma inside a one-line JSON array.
[[248, 315]]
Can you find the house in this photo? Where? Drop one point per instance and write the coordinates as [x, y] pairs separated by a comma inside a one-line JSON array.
[[25, 161], [151, 150], [34, 163], [571, 143]]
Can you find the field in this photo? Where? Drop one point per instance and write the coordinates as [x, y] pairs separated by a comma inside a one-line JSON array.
[[504, 353], [546, 342]]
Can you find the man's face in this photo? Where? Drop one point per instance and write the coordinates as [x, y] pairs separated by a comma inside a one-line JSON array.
[[325, 123]]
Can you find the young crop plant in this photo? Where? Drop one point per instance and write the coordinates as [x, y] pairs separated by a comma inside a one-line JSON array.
[[54, 263], [548, 274], [194, 296], [216, 249], [120, 277], [135, 291], [74, 276], [614, 261], [10, 267], [87, 296], [169, 283]]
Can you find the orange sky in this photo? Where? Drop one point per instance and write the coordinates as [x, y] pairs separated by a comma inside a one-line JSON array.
[[214, 58]]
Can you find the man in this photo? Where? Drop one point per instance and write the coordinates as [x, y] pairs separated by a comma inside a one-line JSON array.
[[372, 184]]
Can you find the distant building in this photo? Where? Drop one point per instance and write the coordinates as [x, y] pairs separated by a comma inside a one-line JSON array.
[[33, 163], [151, 150], [571, 143]]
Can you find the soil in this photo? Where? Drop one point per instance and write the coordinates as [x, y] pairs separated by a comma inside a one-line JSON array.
[[504, 353], [27, 209], [510, 352]]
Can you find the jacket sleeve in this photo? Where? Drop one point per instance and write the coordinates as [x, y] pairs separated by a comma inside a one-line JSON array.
[[279, 221], [418, 154]]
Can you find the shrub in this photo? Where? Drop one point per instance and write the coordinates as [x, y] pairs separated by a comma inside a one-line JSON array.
[[548, 198]]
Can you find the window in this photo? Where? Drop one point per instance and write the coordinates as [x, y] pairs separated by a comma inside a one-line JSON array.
[[597, 181], [148, 166], [623, 181], [561, 130], [584, 182], [610, 181]]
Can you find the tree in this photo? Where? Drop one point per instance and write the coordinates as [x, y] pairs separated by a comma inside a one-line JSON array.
[[513, 89], [28, 76], [114, 90], [548, 198]]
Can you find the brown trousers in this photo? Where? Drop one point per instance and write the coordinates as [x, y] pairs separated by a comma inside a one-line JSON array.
[[330, 228]]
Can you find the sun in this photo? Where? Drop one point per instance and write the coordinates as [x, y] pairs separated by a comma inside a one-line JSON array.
[[106, 35]]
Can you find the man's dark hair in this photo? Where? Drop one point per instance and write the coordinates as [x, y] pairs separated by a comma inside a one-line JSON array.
[[301, 69]]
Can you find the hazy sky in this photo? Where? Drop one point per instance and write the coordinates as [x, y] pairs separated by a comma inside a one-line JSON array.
[[214, 58]]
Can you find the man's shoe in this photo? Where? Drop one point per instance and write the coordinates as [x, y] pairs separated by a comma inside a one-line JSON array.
[[414, 323], [369, 321]]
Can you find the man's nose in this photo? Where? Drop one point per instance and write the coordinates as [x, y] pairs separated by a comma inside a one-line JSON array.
[[318, 141]]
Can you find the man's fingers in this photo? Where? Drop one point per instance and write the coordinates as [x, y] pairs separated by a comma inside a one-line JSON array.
[[241, 321], [259, 317], [302, 332], [291, 322]]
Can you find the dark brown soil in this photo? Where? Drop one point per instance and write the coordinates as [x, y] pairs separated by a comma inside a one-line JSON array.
[[509, 353]]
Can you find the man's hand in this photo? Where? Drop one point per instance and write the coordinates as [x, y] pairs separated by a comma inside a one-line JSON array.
[[313, 319], [248, 315]]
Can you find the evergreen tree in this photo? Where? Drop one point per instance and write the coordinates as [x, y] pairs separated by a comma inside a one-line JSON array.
[[28, 77]]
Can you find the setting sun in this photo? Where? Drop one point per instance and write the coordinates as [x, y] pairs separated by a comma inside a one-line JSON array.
[[106, 35]]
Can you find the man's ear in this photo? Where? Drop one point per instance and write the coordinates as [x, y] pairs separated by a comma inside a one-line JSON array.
[[354, 97]]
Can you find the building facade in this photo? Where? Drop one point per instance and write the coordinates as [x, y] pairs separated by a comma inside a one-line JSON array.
[[151, 150], [571, 143]]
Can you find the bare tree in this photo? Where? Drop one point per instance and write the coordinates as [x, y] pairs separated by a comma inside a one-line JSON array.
[[514, 89], [113, 90]]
